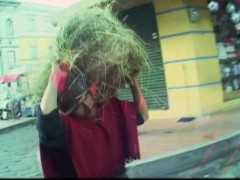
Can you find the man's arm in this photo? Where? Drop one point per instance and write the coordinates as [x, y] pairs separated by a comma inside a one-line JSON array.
[[51, 128], [49, 123], [49, 99], [139, 99]]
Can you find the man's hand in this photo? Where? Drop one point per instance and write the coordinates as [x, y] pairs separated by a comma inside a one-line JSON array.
[[56, 83], [59, 76], [139, 99]]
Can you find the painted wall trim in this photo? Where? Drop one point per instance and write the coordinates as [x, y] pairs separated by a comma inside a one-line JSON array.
[[186, 33], [36, 36], [9, 47], [195, 86], [207, 58], [9, 38], [179, 9]]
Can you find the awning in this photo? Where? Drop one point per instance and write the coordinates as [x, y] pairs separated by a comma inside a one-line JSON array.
[[9, 78]]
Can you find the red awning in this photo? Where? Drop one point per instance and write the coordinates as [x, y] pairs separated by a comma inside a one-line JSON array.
[[9, 78]]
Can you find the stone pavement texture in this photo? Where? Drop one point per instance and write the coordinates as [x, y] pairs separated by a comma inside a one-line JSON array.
[[19, 149], [158, 137], [18, 153]]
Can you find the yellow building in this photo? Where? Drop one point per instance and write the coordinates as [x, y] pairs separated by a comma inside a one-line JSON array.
[[36, 38], [184, 79]]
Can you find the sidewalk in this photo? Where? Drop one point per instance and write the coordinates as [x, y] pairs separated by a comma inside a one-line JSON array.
[[6, 125], [202, 147], [160, 137]]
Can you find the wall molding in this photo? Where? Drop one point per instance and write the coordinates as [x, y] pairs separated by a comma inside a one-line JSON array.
[[207, 58], [180, 9], [195, 86]]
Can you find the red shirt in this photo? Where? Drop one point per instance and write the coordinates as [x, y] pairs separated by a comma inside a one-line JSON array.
[[100, 148]]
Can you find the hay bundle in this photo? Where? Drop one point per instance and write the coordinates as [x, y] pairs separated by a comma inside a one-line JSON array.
[[97, 45]]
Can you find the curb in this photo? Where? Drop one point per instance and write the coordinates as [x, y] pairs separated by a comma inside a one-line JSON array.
[[169, 165], [19, 125]]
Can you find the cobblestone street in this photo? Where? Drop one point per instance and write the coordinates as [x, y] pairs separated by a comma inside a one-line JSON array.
[[18, 153], [19, 158]]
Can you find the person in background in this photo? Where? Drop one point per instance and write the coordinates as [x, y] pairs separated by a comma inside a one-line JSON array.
[[6, 105]]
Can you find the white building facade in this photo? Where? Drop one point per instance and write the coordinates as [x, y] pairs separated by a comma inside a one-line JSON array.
[[27, 33]]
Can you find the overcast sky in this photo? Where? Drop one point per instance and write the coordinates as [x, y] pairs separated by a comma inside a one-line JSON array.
[[56, 3]]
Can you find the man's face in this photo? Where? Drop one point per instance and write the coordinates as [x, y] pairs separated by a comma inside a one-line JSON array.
[[86, 108]]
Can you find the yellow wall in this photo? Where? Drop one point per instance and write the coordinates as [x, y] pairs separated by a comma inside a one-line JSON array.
[[192, 73], [192, 68], [211, 99], [188, 46], [177, 22], [42, 44]]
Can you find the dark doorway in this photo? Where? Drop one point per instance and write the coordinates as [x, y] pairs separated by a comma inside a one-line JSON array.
[[142, 20]]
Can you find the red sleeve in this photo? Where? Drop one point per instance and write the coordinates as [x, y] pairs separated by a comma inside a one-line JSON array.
[[137, 115], [130, 119]]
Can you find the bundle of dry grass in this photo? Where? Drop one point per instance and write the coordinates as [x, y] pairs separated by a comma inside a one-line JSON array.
[[98, 46]]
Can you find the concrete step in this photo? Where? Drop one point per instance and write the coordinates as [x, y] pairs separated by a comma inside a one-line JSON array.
[[199, 160]]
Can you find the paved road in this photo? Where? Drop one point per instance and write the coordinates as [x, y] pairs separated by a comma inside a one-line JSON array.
[[231, 171], [220, 168], [18, 153], [18, 158]]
